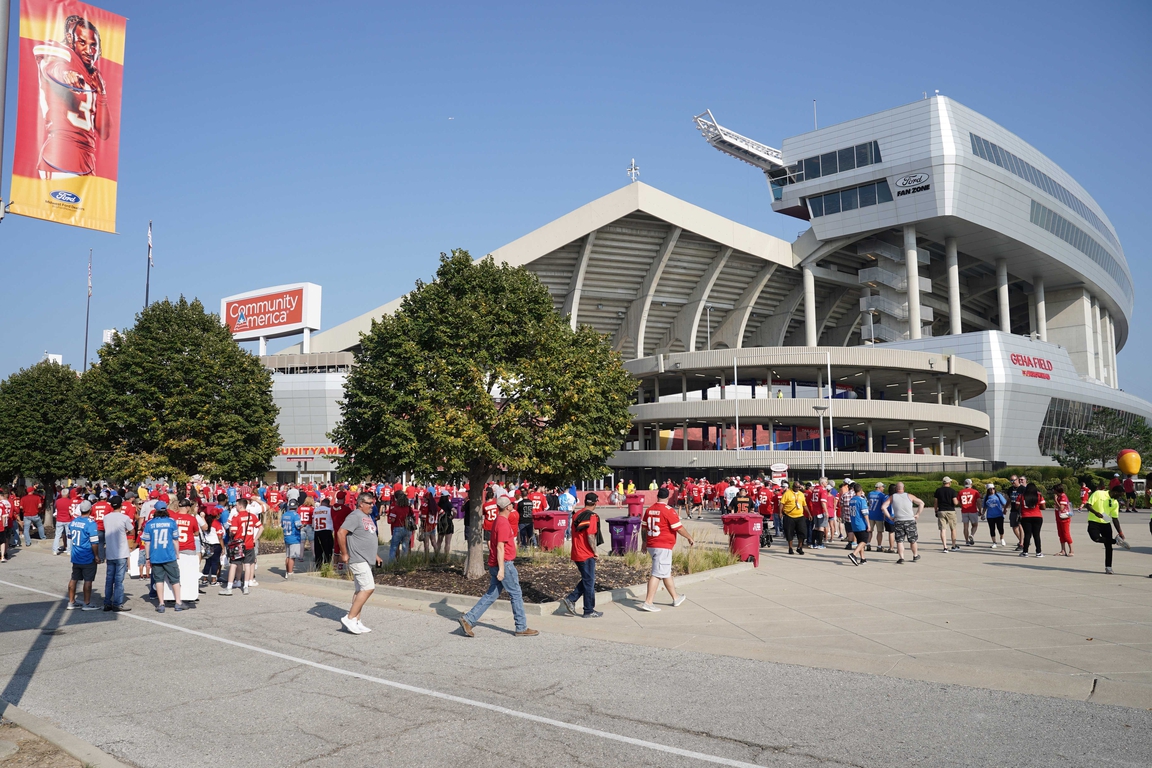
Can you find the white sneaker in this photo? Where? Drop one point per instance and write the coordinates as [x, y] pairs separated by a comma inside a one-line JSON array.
[[649, 607], [679, 601], [253, 583], [1108, 571], [363, 628], [993, 545], [1123, 543], [74, 605], [1002, 543], [1039, 554], [350, 625]]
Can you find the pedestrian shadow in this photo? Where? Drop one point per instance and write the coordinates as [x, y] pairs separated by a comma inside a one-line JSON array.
[[1034, 566], [48, 617], [327, 611]]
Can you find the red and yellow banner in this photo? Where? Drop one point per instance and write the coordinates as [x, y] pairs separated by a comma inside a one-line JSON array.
[[68, 116]]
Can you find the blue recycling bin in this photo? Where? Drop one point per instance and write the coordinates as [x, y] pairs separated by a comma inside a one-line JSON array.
[[625, 534]]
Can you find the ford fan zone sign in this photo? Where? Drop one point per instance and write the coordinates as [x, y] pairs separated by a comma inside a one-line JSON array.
[[271, 312]]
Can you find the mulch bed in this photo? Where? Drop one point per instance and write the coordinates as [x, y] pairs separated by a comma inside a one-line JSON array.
[[542, 581], [272, 547]]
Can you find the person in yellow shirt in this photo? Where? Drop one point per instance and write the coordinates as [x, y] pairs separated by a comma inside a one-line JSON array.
[[794, 513], [1103, 513]]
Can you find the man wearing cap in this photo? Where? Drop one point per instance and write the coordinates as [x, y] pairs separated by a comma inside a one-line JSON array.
[[502, 574], [117, 526], [659, 528], [161, 537], [969, 499], [85, 557], [585, 527], [290, 524], [946, 513], [359, 547]]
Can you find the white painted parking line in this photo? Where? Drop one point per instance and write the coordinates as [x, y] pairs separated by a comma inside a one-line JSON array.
[[714, 759]]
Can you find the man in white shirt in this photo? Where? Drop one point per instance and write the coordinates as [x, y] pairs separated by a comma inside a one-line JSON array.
[[117, 525]]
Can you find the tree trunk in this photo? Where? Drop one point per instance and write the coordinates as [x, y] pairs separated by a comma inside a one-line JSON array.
[[476, 566]]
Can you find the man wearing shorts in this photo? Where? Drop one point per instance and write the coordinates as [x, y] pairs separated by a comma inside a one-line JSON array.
[[659, 527], [242, 526], [903, 511], [161, 536], [946, 513], [970, 511], [85, 545], [290, 524], [358, 551], [876, 520]]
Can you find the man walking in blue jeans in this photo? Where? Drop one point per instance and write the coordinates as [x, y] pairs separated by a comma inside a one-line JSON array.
[[116, 528], [585, 528], [502, 574]]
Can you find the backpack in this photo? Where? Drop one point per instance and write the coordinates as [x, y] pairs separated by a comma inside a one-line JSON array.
[[409, 520], [584, 517]]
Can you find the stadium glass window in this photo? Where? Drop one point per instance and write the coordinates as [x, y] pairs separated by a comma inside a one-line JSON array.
[[849, 200], [883, 192], [811, 168], [863, 155], [876, 152], [846, 159], [816, 206], [828, 164], [867, 195], [831, 203]]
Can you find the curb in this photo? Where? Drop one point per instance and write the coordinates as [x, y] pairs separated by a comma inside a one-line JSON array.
[[464, 602], [78, 748]]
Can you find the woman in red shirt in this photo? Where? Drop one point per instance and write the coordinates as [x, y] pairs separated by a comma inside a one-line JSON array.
[[1032, 517], [1063, 520]]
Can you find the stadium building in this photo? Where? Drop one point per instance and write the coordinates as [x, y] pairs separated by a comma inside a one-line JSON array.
[[957, 302]]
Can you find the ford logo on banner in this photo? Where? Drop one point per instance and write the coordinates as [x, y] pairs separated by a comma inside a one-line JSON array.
[[66, 197], [912, 180]]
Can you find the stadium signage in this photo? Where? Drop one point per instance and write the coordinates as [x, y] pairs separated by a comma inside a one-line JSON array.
[[1032, 367], [269, 312], [911, 183]]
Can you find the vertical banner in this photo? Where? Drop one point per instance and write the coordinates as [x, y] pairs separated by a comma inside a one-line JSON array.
[[68, 113]]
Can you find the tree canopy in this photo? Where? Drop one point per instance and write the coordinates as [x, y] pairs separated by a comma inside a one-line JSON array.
[[476, 373], [1103, 438], [41, 428], [174, 396]]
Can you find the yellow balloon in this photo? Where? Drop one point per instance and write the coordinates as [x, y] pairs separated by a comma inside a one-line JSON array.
[[1128, 462]]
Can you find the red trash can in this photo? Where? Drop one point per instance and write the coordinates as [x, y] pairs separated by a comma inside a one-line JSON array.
[[550, 528], [635, 502], [744, 536]]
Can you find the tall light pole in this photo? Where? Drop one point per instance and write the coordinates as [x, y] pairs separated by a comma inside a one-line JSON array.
[[820, 413]]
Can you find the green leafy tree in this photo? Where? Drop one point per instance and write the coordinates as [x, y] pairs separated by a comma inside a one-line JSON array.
[[175, 396], [1106, 435], [476, 373], [38, 411]]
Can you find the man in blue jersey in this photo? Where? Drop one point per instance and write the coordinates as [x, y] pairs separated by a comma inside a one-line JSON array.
[[290, 524], [85, 541], [161, 536], [876, 520]]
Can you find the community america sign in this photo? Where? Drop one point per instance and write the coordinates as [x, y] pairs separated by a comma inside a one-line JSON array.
[[270, 312]]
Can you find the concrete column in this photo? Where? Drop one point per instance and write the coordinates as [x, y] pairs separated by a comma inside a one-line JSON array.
[[911, 438], [956, 394], [869, 437], [306, 342], [1112, 352], [684, 387], [1041, 307], [820, 384], [1096, 340], [723, 385], [939, 391], [953, 263], [959, 444], [1002, 294], [809, 308], [656, 436], [656, 389], [908, 391], [685, 443], [940, 441], [913, 269], [867, 385]]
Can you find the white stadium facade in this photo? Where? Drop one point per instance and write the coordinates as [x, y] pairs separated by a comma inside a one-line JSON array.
[[956, 304]]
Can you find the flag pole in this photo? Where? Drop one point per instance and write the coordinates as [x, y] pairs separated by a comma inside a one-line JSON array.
[[5, 13], [148, 270], [88, 310]]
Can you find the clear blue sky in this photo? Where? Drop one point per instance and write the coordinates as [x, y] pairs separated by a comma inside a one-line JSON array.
[[278, 142]]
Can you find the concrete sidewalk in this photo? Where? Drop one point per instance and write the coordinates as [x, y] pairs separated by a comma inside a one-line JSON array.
[[987, 618]]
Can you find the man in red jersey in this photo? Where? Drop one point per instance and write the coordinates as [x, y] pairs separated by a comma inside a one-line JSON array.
[[659, 527], [243, 527], [73, 101], [188, 530], [63, 515], [502, 575], [969, 499]]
